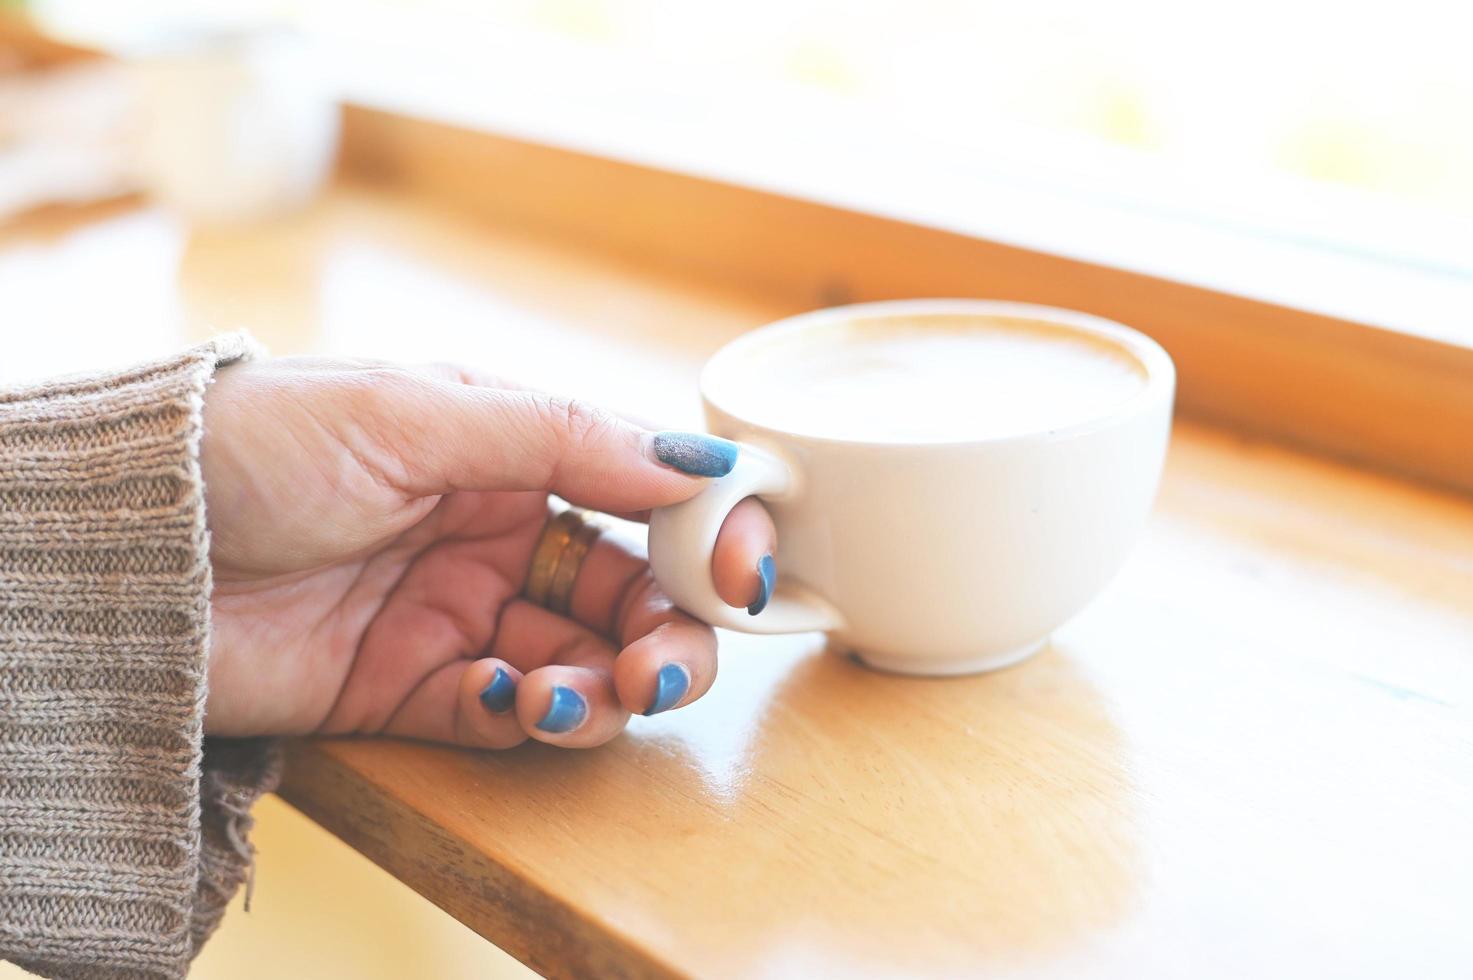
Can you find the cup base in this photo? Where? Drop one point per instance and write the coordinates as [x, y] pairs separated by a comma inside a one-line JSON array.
[[948, 667]]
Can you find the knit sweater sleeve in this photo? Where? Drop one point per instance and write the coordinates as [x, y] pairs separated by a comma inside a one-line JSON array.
[[121, 830]]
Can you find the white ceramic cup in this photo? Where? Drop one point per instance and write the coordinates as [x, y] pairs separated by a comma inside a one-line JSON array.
[[931, 557]]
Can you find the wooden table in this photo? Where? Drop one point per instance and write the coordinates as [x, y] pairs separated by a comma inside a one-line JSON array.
[[1253, 756]]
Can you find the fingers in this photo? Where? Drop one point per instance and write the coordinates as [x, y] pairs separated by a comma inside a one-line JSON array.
[[668, 659], [558, 682], [573, 689], [428, 436], [535, 674], [566, 696], [464, 704], [738, 568], [574, 707], [484, 703], [613, 571], [546, 678]]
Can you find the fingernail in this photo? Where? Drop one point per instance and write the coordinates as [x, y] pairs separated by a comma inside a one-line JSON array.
[[767, 572], [500, 694], [566, 712], [695, 453], [670, 686]]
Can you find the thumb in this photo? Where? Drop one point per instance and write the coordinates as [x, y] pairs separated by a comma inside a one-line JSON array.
[[450, 436]]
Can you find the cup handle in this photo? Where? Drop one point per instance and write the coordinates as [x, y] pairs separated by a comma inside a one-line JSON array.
[[683, 536]]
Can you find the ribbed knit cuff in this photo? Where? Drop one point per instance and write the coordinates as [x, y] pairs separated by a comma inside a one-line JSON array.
[[108, 865]]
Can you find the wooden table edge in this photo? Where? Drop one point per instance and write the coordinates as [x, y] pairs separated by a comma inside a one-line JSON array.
[[506, 908]]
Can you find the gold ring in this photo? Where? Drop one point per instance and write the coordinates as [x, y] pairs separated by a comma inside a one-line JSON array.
[[555, 537], [560, 595]]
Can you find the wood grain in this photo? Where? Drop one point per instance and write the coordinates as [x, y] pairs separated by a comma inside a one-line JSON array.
[[1252, 756], [1351, 390]]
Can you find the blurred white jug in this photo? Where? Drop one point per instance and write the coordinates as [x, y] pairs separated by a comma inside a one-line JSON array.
[[236, 126]]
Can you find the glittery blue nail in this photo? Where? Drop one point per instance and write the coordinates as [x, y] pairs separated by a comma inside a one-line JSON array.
[[501, 694], [695, 453], [565, 713], [767, 572], [670, 686]]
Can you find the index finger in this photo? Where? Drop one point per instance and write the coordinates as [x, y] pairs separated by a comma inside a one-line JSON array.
[[425, 436]]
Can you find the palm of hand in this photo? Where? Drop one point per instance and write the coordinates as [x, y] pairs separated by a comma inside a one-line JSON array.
[[377, 641]]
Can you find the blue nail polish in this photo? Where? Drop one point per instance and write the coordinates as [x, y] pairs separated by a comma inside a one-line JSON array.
[[500, 694], [566, 712], [767, 572], [695, 453], [670, 686]]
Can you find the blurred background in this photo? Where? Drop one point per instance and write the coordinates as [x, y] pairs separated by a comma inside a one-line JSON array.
[[1314, 154], [1199, 109], [1340, 129]]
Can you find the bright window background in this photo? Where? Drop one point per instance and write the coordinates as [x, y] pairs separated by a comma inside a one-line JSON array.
[[1366, 95], [1342, 126], [1371, 96]]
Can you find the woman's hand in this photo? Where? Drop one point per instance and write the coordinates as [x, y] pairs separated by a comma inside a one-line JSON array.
[[371, 531]]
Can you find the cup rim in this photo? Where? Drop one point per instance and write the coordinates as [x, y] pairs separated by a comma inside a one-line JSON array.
[[1160, 371]]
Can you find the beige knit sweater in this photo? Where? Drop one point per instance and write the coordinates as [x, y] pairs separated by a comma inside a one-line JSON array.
[[121, 829]]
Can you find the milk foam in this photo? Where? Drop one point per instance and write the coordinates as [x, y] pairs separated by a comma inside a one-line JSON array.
[[913, 380]]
